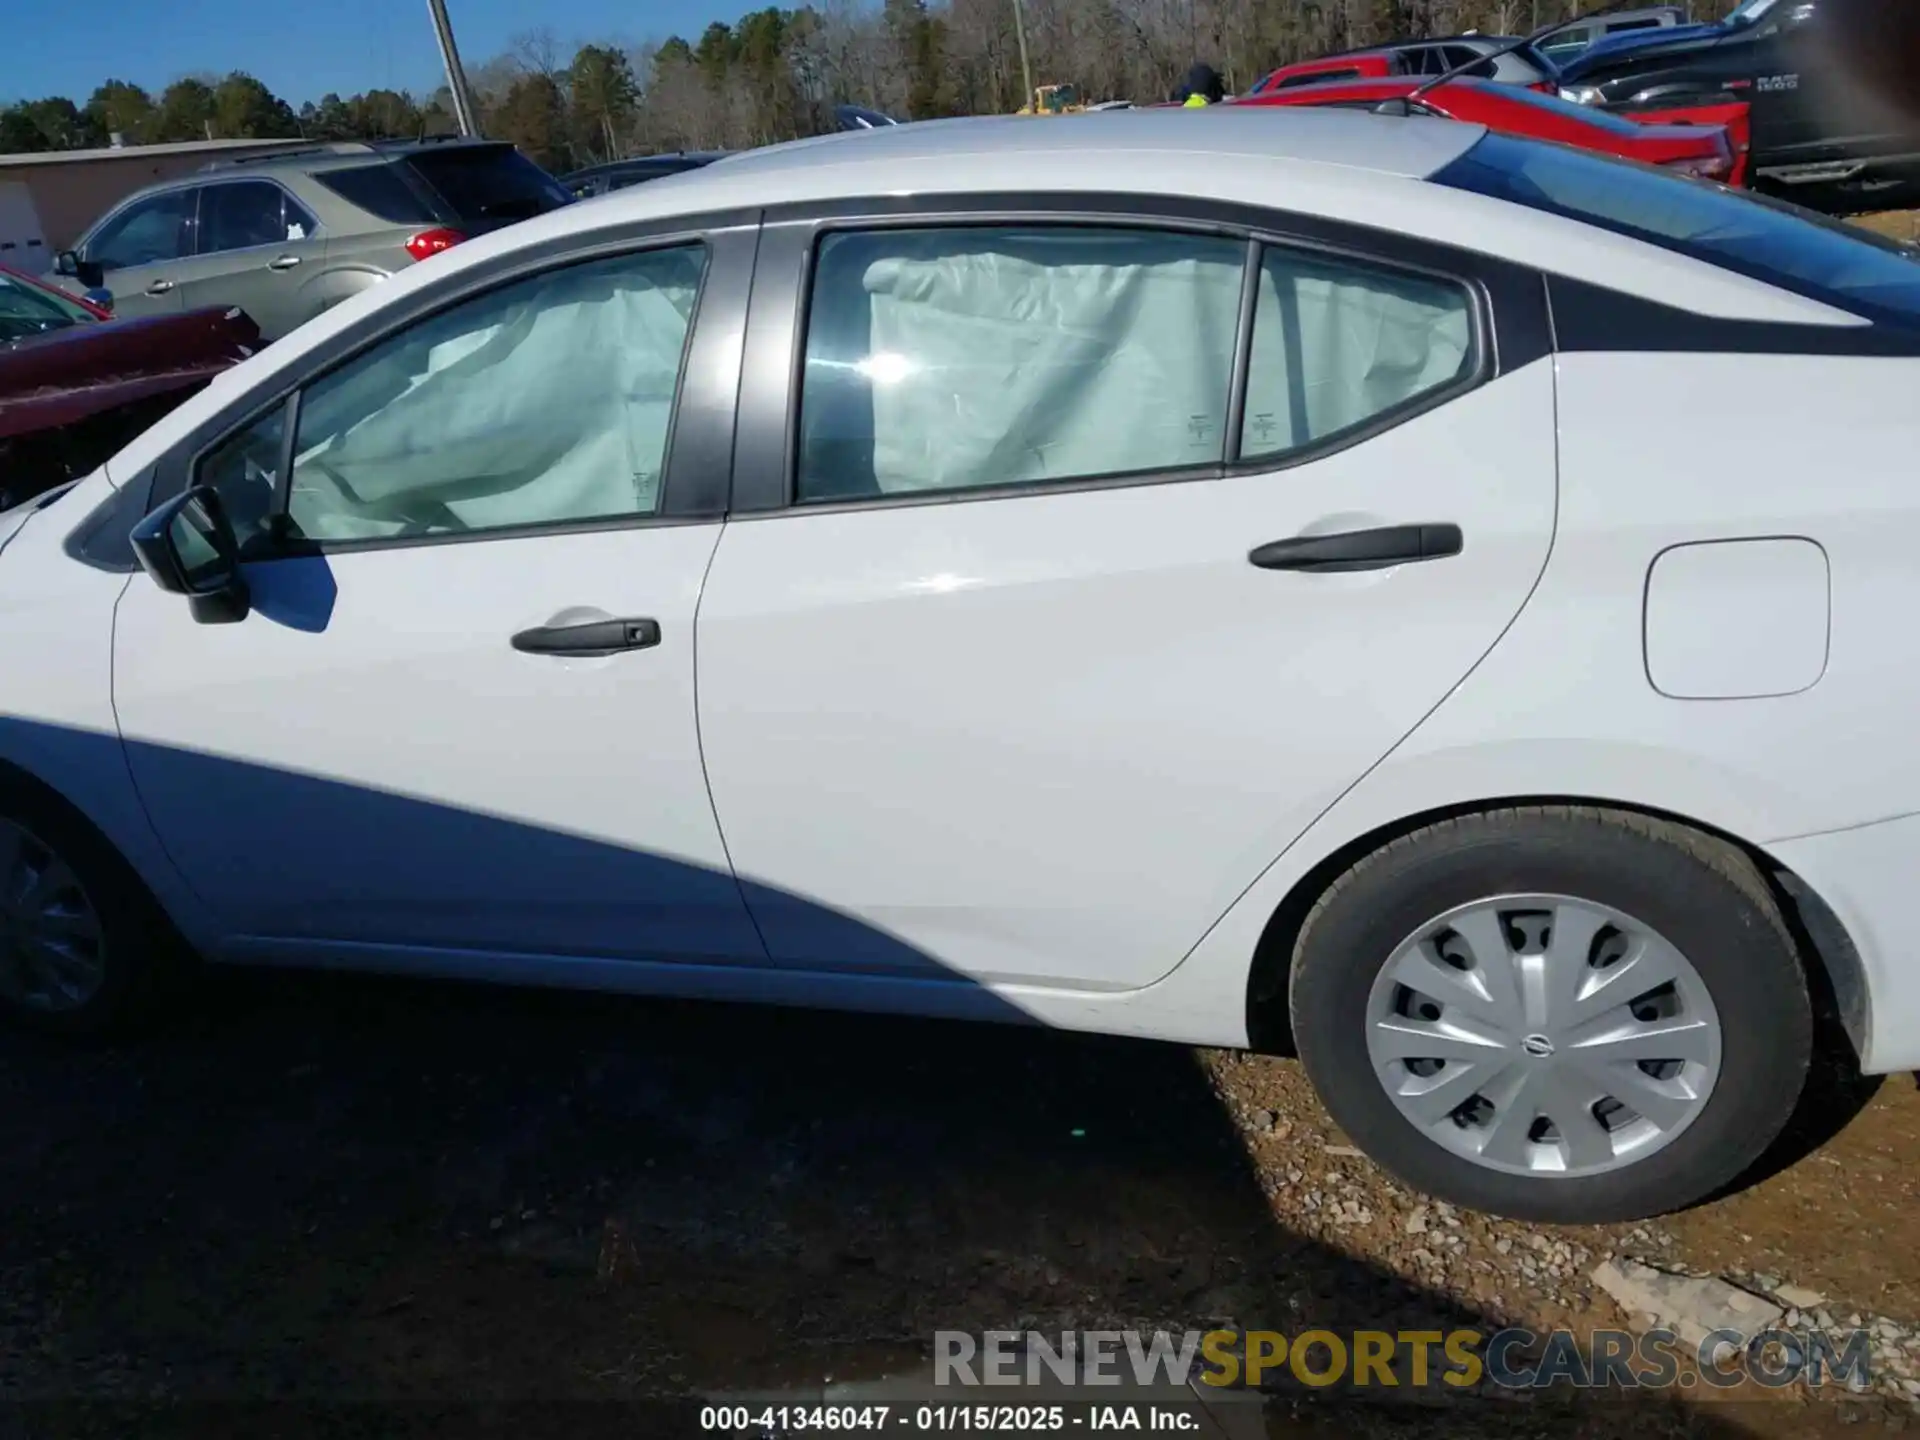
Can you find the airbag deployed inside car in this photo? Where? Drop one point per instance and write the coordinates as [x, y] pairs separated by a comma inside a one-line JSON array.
[[548, 401]]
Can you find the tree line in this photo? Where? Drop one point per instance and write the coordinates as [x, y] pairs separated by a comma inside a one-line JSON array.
[[776, 74]]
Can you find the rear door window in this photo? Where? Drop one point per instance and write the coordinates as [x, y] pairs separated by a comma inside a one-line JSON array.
[[487, 184], [959, 359], [245, 213]]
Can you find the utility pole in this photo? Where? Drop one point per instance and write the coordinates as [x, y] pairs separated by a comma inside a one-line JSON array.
[[1020, 34], [464, 112]]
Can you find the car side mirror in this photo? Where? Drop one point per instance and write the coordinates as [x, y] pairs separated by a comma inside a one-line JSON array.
[[1398, 105], [98, 296], [89, 273], [188, 547]]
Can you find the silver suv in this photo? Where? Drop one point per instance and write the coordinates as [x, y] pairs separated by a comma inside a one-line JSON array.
[[286, 236]]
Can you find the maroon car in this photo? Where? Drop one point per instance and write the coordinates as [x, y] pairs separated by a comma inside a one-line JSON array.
[[76, 384]]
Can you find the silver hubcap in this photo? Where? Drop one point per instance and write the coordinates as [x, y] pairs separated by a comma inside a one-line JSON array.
[[51, 952], [1543, 1035]]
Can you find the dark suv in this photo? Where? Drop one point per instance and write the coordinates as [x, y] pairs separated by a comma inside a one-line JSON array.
[[1829, 129], [619, 174], [286, 236]]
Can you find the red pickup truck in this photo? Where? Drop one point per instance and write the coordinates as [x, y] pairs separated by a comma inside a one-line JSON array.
[[77, 384]]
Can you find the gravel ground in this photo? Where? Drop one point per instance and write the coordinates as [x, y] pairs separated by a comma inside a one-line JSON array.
[[348, 1189]]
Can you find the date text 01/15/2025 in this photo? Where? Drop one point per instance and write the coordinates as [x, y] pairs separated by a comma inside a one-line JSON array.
[[923, 1419]]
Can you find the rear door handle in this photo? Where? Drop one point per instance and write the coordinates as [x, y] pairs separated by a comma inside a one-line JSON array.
[[1376, 549], [593, 637], [159, 287], [285, 262]]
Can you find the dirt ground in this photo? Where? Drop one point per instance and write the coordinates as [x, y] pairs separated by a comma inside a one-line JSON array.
[[349, 1190], [398, 1196]]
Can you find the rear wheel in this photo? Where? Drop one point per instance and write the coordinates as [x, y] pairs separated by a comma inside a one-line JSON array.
[[83, 948], [1554, 1013]]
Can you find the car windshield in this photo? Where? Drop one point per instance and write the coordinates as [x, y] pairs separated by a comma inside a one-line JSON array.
[[1766, 239], [27, 310]]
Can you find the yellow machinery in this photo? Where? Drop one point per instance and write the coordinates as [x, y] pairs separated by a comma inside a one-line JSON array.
[[1054, 100]]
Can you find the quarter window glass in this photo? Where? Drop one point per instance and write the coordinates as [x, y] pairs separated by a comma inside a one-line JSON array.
[[144, 234], [1336, 344], [243, 469], [380, 190], [544, 402], [951, 359]]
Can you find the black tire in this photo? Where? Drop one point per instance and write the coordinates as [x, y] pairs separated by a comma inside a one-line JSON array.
[[144, 960], [1702, 894]]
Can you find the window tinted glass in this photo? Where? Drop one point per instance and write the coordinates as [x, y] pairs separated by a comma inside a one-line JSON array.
[[1591, 116], [241, 214], [153, 230], [1317, 77], [28, 310], [1766, 239], [381, 191], [543, 402], [953, 359], [1336, 344], [243, 469], [483, 183]]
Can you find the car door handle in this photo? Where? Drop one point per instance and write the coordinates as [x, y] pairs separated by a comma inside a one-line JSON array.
[[592, 637], [1375, 549], [159, 287], [285, 262]]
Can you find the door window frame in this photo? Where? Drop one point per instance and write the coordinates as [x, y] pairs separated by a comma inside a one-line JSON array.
[[1508, 315], [287, 199], [190, 225], [693, 486]]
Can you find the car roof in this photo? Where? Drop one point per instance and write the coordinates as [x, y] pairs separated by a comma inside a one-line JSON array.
[[332, 155], [1212, 135]]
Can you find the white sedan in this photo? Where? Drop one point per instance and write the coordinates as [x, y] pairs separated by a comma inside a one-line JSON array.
[[1442, 600]]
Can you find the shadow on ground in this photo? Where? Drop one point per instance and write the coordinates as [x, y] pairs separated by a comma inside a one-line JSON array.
[[343, 1189]]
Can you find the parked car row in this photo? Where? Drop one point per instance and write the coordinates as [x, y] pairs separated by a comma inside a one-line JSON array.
[[1806, 113], [1834, 122], [1707, 142], [197, 273]]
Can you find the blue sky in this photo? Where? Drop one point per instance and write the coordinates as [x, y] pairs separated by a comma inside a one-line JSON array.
[[300, 48]]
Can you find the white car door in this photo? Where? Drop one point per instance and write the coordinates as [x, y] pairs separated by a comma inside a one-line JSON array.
[[456, 730], [1003, 682]]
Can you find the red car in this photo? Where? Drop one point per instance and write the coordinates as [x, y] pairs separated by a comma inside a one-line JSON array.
[[1485, 57], [1708, 141], [76, 384]]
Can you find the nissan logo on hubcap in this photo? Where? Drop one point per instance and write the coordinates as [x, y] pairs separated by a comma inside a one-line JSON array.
[[1538, 1046]]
